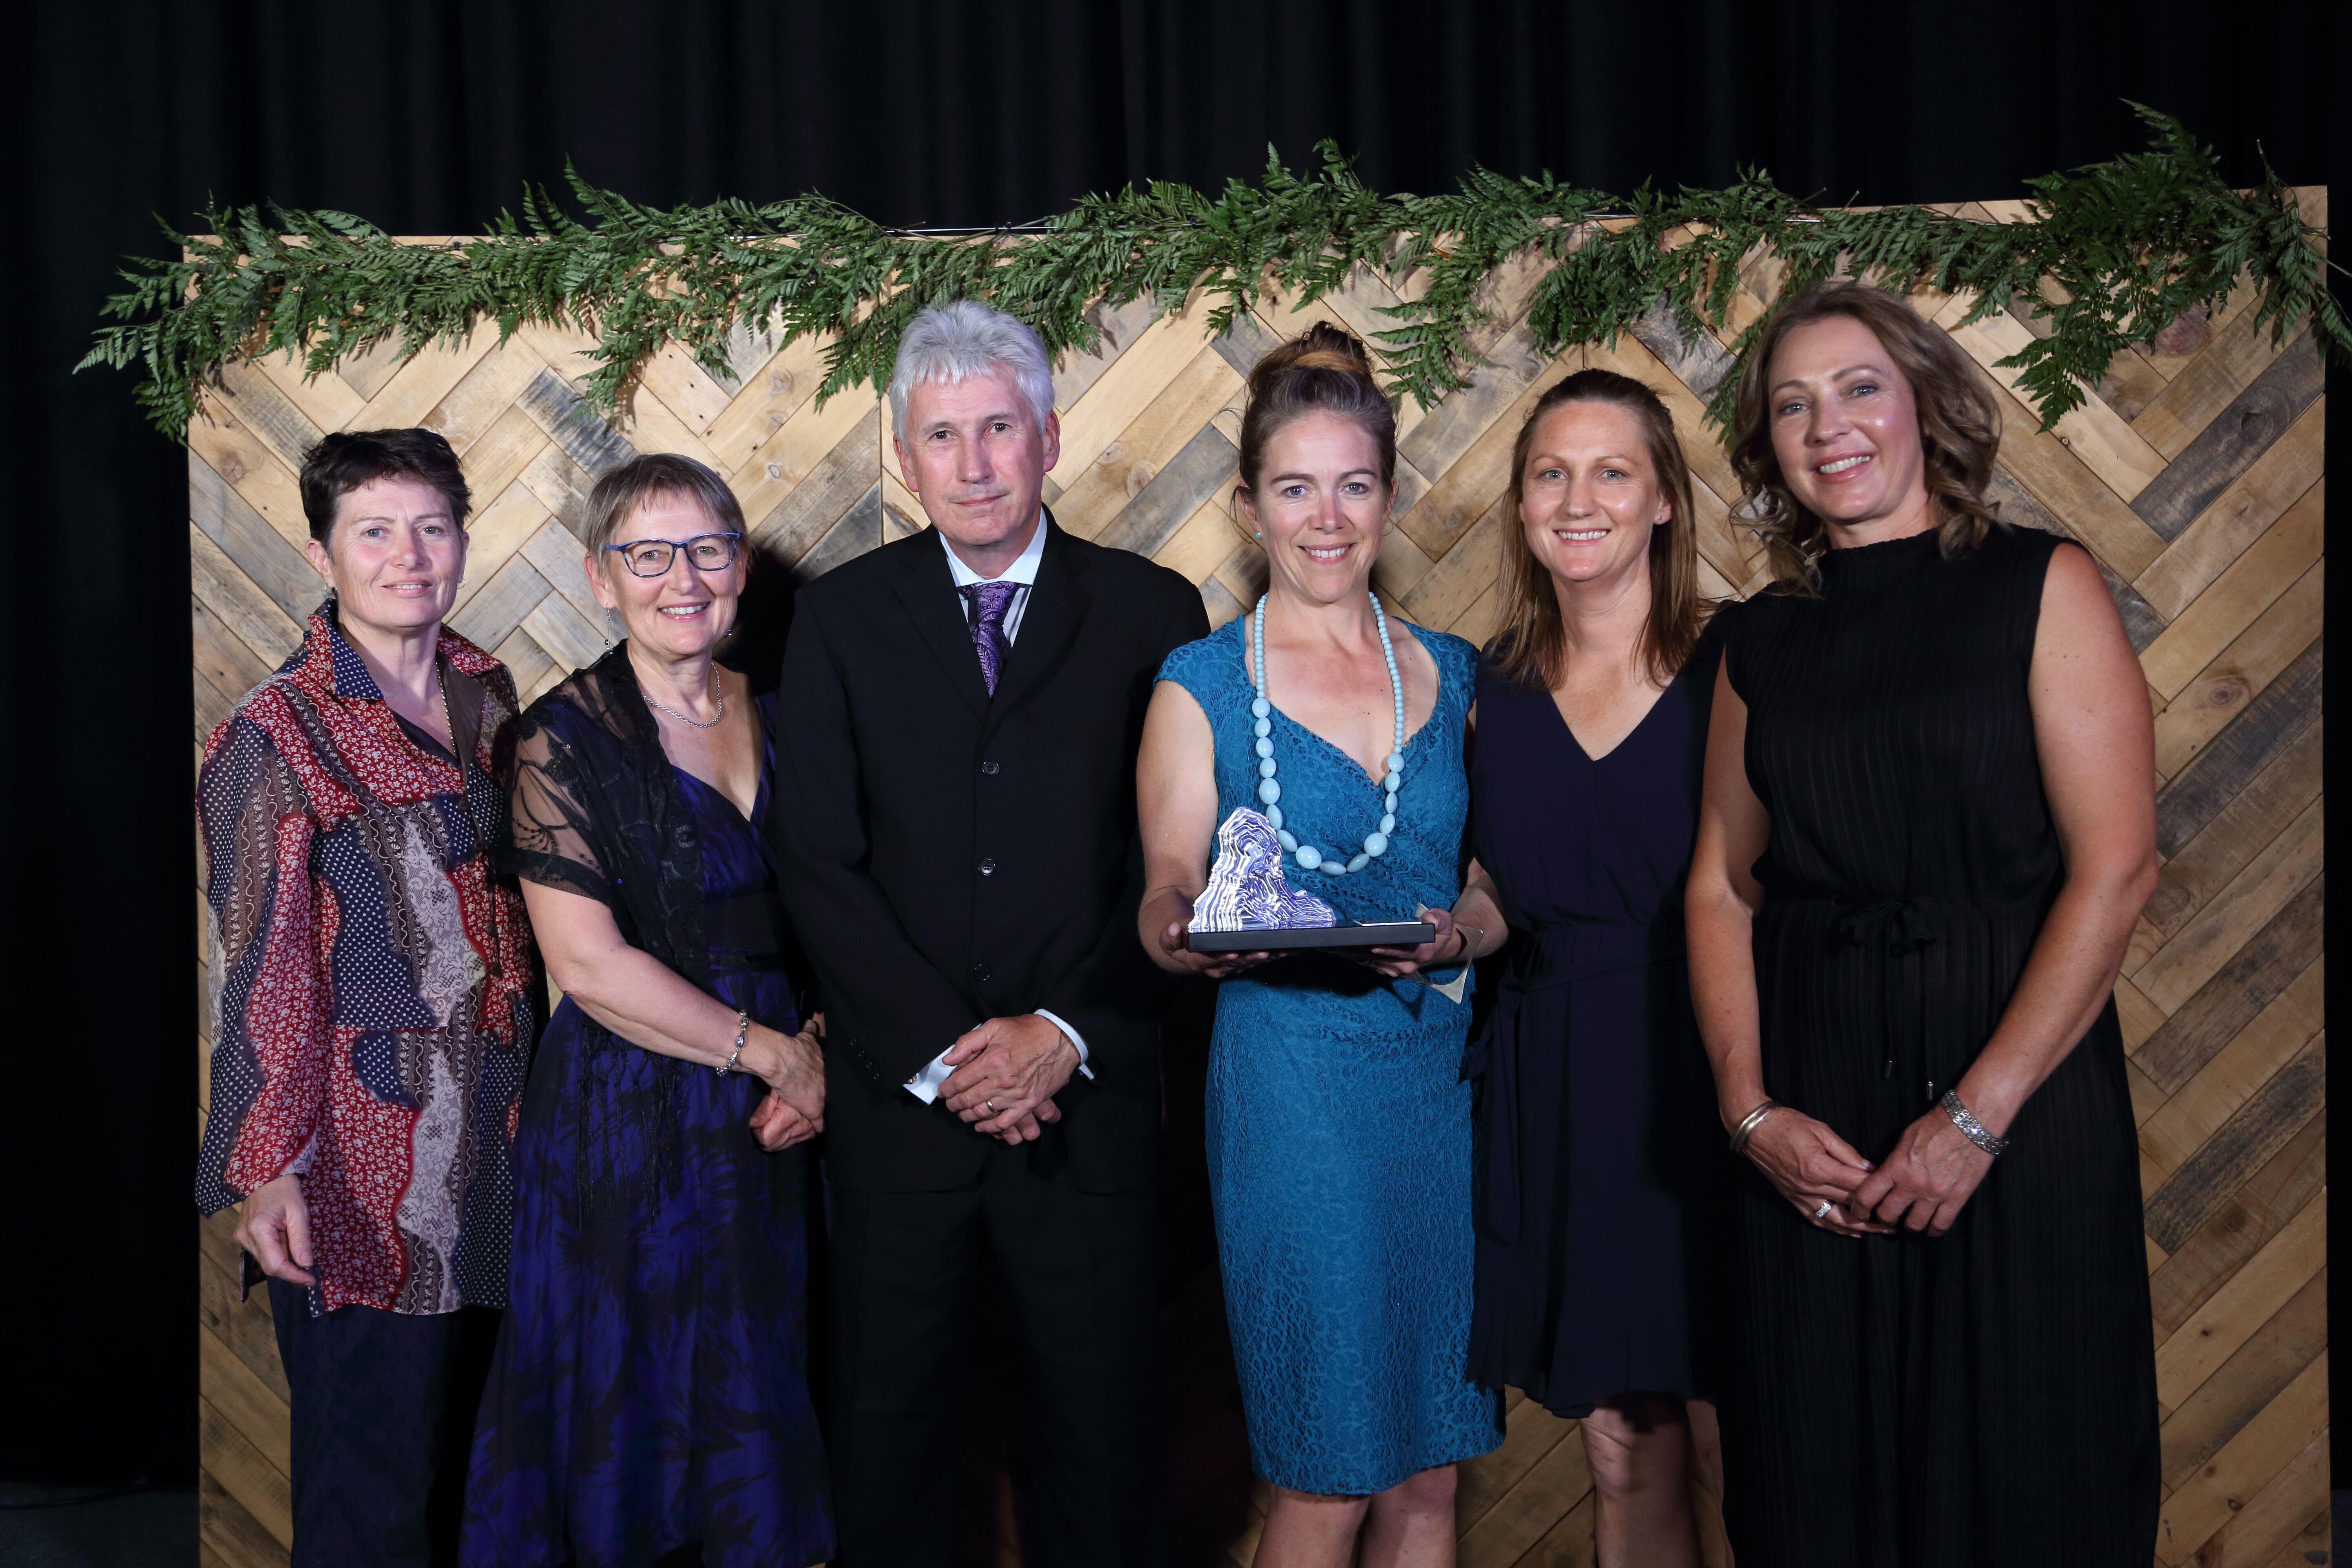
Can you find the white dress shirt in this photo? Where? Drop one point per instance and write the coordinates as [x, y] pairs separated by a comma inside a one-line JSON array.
[[925, 1085]]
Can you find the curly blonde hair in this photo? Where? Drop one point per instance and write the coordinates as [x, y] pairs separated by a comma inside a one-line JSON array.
[[1959, 428]]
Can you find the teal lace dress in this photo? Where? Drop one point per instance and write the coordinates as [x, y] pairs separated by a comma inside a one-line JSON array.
[[1338, 1123]]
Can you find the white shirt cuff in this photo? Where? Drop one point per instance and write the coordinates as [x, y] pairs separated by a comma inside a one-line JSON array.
[[925, 1085]]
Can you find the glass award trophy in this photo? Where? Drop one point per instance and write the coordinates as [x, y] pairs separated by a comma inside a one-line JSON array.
[[1249, 906]]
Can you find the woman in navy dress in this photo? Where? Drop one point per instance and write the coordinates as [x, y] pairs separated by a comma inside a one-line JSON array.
[[649, 1401], [1598, 1156], [1339, 1125]]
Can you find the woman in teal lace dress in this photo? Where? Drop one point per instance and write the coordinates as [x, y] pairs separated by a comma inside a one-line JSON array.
[[1338, 1124]]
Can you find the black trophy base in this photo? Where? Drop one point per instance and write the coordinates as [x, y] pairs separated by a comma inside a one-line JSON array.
[[1350, 933]]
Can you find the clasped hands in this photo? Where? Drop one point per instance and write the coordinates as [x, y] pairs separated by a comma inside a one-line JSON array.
[[1007, 1072], [794, 1069], [1922, 1185]]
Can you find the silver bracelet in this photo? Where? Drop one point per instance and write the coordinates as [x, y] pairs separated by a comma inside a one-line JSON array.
[[742, 1032], [1975, 1131], [1748, 1123]]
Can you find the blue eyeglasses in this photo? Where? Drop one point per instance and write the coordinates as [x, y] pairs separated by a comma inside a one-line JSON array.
[[704, 552]]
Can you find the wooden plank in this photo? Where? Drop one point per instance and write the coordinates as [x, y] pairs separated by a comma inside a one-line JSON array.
[[2243, 1144], [858, 530], [650, 425], [267, 631], [2311, 1546], [2272, 1196], [2263, 730], [490, 617], [2013, 503], [500, 457], [2276, 1516], [499, 530], [2094, 514], [1530, 1431], [2222, 1487], [2215, 1332], [772, 394], [1207, 537], [1699, 362], [2229, 446], [2252, 660], [2204, 384], [2255, 975], [417, 388], [1243, 342], [565, 633], [561, 485], [787, 458], [572, 425], [1570, 1543], [1464, 574], [1117, 330], [325, 399], [1118, 397], [2140, 1016], [221, 658], [243, 1399], [1469, 487], [2246, 1383], [693, 396], [1192, 478], [483, 396], [244, 1472], [528, 663], [228, 1535], [245, 462], [2283, 867], [1400, 565], [2251, 584], [557, 556], [261, 408], [1496, 384], [2097, 436], [2237, 1071], [2224, 847], [277, 566], [2280, 478], [809, 510], [1098, 491], [1523, 1515]]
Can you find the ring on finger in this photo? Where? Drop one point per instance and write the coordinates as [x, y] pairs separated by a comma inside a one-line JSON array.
[[1823, 1212]]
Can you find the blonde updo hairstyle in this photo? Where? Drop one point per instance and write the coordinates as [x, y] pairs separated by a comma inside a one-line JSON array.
[[1959, 428], [1322, 371]]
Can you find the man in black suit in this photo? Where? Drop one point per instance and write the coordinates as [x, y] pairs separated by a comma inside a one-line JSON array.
[[954, 816]]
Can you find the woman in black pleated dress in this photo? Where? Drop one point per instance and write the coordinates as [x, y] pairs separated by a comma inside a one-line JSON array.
[[1928, 828]]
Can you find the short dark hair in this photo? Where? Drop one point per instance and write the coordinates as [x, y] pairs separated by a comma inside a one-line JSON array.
[[342, 462], [624, 488]]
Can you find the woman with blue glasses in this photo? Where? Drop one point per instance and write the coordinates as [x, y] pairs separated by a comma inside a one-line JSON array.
[[649, 1394]]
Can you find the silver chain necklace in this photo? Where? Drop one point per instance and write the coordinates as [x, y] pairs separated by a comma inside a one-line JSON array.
[[712, 722]]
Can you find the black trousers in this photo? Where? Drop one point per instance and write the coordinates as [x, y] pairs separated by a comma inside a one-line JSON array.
[[382, 1428], [1078, 1276]]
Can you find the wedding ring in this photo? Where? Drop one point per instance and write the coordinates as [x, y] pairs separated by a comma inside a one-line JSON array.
[[991, 1106], [1823, 1212]]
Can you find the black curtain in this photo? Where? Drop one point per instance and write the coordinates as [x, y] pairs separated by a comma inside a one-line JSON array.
[[429, 117]]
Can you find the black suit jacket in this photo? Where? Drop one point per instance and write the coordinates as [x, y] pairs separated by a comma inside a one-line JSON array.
[[947, 857]]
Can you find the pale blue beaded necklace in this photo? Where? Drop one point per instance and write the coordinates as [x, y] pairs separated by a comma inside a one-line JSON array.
[[1376, 843]]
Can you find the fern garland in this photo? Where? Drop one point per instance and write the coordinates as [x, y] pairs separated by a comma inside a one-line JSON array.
[[2118, 250]]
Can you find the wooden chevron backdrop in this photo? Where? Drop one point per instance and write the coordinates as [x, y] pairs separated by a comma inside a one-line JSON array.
[[2194, 475]]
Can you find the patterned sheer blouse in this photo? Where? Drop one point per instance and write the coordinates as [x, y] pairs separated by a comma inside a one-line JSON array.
[[372, 983]]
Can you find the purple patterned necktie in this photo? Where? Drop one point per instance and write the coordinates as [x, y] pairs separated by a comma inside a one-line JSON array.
[[988, 603]]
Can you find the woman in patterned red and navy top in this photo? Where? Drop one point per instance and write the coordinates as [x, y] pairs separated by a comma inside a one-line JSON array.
[[374, 987]]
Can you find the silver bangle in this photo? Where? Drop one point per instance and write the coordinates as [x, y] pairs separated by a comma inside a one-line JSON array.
[[742, 1032], [1748, 1123], [1975, 1131]]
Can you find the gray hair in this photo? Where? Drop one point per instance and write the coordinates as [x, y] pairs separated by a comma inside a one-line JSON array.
[[624, 488], [964, 338]]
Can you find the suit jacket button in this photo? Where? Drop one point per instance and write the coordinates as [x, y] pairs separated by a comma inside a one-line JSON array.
[[988, 767], [980, 971], [988, 868]]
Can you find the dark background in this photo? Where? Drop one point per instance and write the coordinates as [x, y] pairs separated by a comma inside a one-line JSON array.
[[427, 118]]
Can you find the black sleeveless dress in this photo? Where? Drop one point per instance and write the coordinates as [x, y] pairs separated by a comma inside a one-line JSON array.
[[1988, 1396]]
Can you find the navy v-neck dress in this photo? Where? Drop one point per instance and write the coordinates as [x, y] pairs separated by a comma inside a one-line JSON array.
[[1598, 1156]]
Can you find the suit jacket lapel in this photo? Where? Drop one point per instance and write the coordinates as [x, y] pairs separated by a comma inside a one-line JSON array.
[[928, 590], [1058, 606]]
